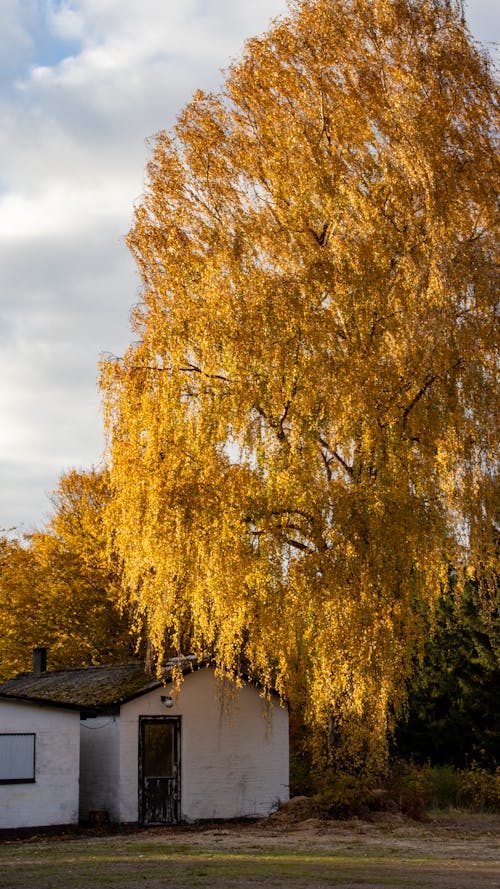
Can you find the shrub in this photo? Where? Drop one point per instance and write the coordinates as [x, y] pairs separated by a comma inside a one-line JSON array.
[[479, 789], [341, 795], [417, 788], [410, 788]]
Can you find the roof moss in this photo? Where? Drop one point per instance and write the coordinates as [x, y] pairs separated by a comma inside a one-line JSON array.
[[91, 687]]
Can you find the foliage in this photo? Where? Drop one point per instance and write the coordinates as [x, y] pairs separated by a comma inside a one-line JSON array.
[[479, 789], [409, 788], [58, 589], [416, 789], [343, 795], [452, 715], [303, 435]]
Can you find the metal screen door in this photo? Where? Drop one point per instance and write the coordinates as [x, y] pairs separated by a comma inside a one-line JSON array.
[[159, 769]]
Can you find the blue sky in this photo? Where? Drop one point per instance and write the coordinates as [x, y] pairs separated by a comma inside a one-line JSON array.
[[83, 84]]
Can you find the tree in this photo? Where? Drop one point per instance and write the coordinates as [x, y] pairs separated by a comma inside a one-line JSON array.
[[453, 691], [57, 588], [303, 436]]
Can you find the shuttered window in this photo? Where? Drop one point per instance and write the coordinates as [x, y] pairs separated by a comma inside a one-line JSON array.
[[17, 758]]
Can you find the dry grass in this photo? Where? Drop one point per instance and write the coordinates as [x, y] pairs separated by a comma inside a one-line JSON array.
[[452, 852]]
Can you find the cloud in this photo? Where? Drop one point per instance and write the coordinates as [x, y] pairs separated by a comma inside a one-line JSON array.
[[65, 22], [16, 42], [484, 23], [61, 208]]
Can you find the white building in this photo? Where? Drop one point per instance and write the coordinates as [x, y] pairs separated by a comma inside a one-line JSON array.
[[39, 764], [141, 752]]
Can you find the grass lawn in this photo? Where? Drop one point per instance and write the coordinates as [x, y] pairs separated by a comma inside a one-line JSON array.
[[342, 854]]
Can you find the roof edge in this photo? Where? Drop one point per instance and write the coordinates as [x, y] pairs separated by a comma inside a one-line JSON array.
[[41, 702]]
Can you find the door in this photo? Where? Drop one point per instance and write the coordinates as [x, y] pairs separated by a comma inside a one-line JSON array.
[[159, 769]]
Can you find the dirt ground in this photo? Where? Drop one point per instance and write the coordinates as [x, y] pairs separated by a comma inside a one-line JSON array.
[[453, 851]]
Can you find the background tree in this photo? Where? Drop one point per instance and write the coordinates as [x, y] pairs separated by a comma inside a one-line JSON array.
[[453, 691], [303, 437], [58, 589]]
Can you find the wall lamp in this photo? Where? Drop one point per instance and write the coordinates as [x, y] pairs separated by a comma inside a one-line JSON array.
[[167, 701]]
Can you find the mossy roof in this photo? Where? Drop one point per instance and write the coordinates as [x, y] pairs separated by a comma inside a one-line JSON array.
[[87, 688]]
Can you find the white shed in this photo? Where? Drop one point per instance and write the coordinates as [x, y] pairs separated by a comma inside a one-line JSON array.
[[152, 756], [39, 764]]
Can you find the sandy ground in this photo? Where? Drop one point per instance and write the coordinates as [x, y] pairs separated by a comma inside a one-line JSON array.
[[460, 851], [447, 852]]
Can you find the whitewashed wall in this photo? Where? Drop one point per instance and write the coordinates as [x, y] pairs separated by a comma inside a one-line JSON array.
[[99, 766], [53, 797], [233, 764]]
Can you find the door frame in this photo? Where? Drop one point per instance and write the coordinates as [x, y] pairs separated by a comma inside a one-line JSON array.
[[148, 720]]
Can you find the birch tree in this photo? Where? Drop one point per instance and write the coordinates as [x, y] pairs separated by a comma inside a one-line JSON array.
[[303, 435]]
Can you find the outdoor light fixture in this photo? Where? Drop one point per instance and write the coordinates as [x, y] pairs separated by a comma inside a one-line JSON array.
[[167, 701]]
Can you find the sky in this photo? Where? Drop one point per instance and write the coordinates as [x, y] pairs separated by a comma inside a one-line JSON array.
[[83, 85]]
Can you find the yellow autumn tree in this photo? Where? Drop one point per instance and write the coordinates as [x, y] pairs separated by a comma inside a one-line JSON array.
[[58, 588], [304, 434]]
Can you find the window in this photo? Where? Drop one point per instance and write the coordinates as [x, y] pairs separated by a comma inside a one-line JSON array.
[[17, 758]]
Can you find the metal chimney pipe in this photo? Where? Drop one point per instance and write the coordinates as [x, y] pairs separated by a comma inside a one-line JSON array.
[[39, 659]]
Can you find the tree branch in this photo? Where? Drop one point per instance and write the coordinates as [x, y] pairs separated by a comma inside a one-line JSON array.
[[193, 368], [298, 545], [420, 394], [333, 452]]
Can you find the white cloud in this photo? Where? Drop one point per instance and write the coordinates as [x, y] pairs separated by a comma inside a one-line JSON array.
[[70, 206], [61, 209], [66, 21], [15, 37], [109, 33]]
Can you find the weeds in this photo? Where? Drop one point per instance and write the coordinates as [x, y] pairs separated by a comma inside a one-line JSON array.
[[411, 789]]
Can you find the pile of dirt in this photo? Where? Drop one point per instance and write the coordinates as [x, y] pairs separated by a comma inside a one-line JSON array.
[[297, 809]]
